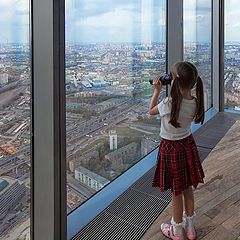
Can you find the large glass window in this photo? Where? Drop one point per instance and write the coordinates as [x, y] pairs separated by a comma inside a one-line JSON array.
[[15, 97], [232, 56], [113, 49], [197, 27]]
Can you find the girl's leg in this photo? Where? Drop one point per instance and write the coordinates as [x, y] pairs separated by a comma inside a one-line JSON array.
[[175, 229], [189, 213], [189, 201], [177, 204]]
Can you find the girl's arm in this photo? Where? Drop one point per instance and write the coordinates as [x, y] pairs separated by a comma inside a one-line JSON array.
[[154, 101]]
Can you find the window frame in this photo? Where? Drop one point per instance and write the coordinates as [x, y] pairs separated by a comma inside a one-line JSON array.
[[92, 207], [48, 147], [49, 219]]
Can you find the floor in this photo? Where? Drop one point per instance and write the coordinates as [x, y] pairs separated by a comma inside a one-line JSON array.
[[217, 201], [138, 212]]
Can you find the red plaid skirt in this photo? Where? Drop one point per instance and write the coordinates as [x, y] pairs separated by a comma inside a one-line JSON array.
[[178, 165]]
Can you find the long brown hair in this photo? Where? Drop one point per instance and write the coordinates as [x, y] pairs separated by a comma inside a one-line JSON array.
[[185, 76], [200, 114]]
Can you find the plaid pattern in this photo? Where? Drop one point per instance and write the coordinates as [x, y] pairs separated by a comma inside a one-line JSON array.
[[178, 165]]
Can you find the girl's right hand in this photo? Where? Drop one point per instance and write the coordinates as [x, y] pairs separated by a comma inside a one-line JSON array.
[[157, 83]]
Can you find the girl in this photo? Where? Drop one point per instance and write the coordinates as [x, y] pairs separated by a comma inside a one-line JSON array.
[[178, 167]]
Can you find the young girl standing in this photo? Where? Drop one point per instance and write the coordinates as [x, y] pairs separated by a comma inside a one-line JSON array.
[[179, 167]]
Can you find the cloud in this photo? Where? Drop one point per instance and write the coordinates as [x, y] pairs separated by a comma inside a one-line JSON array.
[[114, 18], [14, 12], [14, 21], [232, 24], [118, 17], [197, 21], [130, 21], [77, 9]]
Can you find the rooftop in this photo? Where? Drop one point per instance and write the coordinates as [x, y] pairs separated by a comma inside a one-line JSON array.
[[92, 175], [3, 184]]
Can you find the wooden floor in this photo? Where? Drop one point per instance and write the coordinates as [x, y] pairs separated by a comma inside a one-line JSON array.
[[217, 201]]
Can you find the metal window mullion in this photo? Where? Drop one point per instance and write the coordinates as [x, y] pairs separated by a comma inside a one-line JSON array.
[[48, 140], [212, 12], [221, 55], [218, 55], [175, 32]]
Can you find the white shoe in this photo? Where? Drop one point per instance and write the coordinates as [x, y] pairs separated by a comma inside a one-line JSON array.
[[188, 226]]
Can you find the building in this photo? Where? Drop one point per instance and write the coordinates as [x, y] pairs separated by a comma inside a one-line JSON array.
[[84, 94], [90, 178], [84, 159], [147, 145], [123, 155], [113, 139], [3, 78], [70, 87], [99, 84], [108, 104], [206, 100], [11, 191]]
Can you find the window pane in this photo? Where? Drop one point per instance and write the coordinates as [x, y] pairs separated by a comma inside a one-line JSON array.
[[198, 41], [15, 97], [232, 57], [113, 49]]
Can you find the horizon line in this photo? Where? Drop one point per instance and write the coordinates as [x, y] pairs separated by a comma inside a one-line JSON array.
[[135, 42]]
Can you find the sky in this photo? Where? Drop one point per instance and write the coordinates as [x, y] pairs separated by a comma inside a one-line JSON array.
[[14, 21], [197, 21], [115, 21], [90, 21]]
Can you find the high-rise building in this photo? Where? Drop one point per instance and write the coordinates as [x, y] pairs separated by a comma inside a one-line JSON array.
[[113, 139], [3, 78]]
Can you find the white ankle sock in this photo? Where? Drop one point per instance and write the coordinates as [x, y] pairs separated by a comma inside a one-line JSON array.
[[177, 228], [189, 222]]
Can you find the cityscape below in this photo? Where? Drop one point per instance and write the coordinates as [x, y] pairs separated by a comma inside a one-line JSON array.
[[108, 128]]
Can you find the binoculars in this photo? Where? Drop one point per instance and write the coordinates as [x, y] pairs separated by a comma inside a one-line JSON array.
[[165, 79]]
